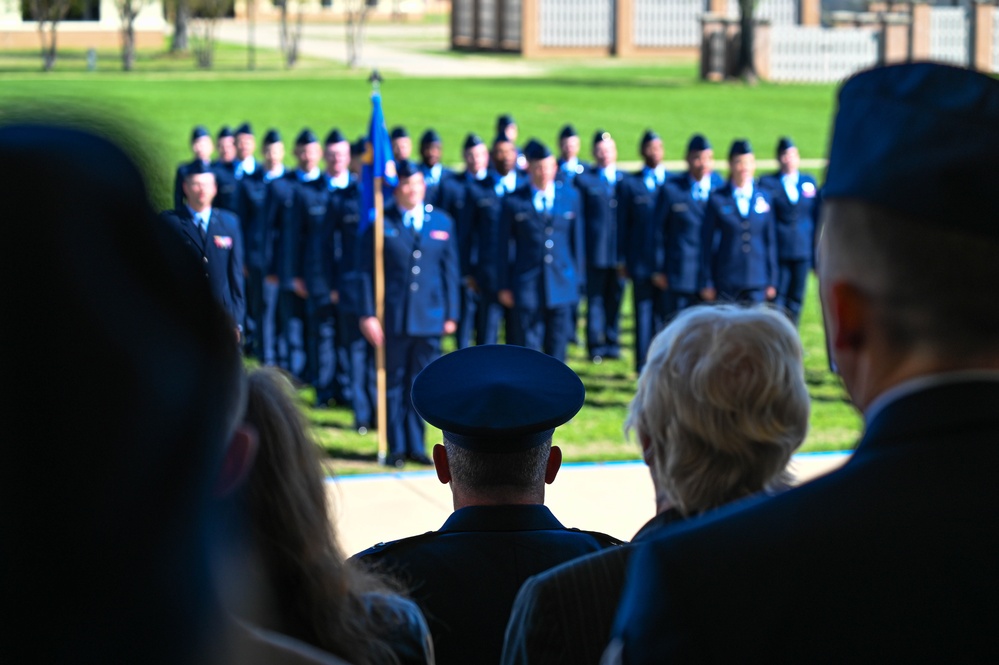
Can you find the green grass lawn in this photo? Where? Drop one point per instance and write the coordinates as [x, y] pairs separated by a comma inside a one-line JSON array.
[[166, 97]]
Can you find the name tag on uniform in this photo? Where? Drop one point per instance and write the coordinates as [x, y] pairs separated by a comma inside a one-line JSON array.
[[808, 190], [223, 242], [679, 207], [762, 207], [439, 235]]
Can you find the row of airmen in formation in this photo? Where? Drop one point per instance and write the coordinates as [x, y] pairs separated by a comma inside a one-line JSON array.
[[516, 240]]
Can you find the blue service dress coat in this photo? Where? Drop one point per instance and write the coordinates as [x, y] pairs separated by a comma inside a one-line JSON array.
[[679, 249], [221, 254], [466, 575], [227, 196], [599, 203], [739, 254], [892, 558], [795, 221]]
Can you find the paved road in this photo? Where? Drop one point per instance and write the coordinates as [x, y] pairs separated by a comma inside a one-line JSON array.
[[615, 498]]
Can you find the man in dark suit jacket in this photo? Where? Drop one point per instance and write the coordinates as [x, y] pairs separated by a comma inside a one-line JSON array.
[[892, 558], [794, 196], [498, 406], [215, 236], [739, 236], [421, 303], [542, 223], [565, 615], [682, 203], [599, 193]]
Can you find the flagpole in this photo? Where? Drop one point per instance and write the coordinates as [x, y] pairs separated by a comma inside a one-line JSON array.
[[379, 263]]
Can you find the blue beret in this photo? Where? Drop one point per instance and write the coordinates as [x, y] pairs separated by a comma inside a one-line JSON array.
[[648, 137], [472, 140], [600, 135], [406, 168], [335, 136], [740, 147], [272, 136], [503, 122], [305, 137], [698, 142], [535, 150], [430, 136], [398, 132], [359, 147], [497, 397], [245, 128], [225, 132], [567, 132], [199, 132], [784, 144], [920, 139]]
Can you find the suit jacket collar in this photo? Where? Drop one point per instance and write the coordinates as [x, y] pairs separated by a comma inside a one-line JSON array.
[[534, 517], [657, 523]]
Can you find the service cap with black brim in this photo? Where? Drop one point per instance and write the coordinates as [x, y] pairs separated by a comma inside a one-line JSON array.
[[497, 398]]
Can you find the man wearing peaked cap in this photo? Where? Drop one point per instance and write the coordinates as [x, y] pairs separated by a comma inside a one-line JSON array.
[[420, 251], [897, 549], [682, 204], [795, 196], [498, 406], [639, 227], [542, 225]]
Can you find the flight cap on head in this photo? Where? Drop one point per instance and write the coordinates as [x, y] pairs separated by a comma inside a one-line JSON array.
[[335, 136], [472, 140], [698, 142], [920, 139], [784, 144], [648, 137], [599, 136], [497, 398], [272, 136], [430, 136], [406, 168], [739, 148], [567, 132], [359, 146], [225, 132], [398, 132], [245, 128], [503, 122], [199, 132], [535, 150], [305, 137]]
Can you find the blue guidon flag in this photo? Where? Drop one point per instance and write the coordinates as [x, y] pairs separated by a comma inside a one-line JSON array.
[[377, 161]]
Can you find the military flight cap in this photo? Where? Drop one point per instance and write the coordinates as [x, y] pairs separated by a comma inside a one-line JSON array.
[[920, 139], [600, 135], [359, 146], [335, 136], [430, 136], [272, 136], [535, 150], [225, 132], [649, 136], [406, 168], [305, 137], [472, 140], [245, 128], [398, 132], [199, 132], [567, 132], [497, 398], [503, 122], [698, 142], [740, 147], [784, 144]]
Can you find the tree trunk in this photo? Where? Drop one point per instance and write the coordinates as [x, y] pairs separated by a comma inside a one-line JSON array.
[[48, 46], [128, 45], [746, 68], [181, 20], [251, 34]]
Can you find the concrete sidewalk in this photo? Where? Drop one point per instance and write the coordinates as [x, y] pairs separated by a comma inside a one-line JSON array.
[[614, 497]]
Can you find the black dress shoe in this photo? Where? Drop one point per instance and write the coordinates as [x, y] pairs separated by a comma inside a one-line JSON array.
[[397, 461], [420, 458]]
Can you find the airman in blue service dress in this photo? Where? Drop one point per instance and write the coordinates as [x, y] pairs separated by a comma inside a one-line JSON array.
[[569, 166], [250, 207], [434, 171], [638, 226], [214, 236], [794, 195], [488, 399], [683, 201], [542, 222], [278, 199], [201, 147], [456, 193], [421, 302], [739, 238], [225, 169], [599, 192]]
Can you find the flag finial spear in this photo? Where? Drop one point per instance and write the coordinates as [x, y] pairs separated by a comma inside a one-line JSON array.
[[375, 79]]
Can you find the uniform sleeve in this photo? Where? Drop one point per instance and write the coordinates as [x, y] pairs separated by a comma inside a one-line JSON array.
[[236, 283], [365, 285], [451, 271], [661, 222], [771, 236], [498, 256], [705, 277]]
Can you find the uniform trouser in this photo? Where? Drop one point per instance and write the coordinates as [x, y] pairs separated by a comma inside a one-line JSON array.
[[489, 316], [675, 302], [255, 310], [362, 371], [290, 332], [752, 296], [546, 329], [343, 388], [321, 345], [268, 332], [604, 289], [468, 317], [792, 277], [404, 358], [648, 317]]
